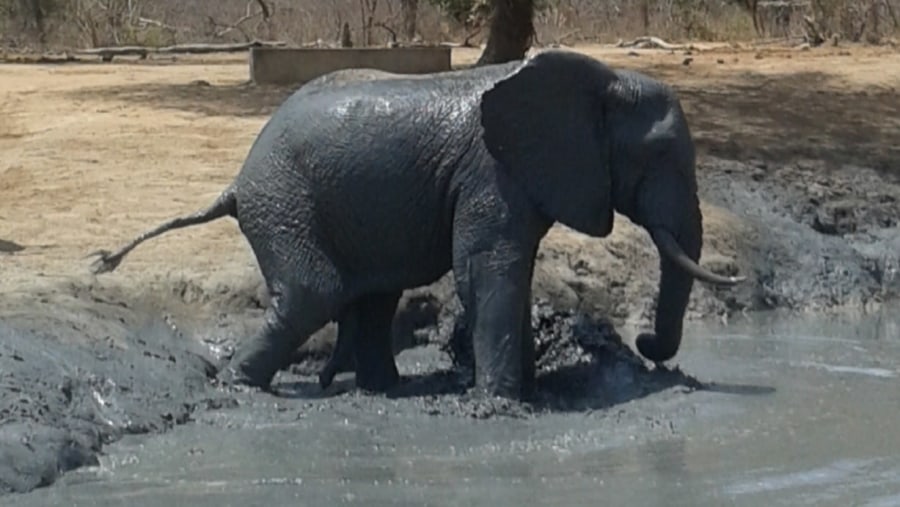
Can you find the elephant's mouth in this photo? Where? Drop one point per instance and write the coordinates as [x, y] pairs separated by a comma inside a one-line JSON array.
[[669, 247]]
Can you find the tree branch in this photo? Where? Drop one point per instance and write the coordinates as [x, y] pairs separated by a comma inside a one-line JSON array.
[[266, 11], [158, 24], [390, 30]]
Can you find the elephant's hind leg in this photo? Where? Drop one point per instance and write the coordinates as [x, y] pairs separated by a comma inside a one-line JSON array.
[[364, 340], [294, 314], [343, 355], [376, 369]]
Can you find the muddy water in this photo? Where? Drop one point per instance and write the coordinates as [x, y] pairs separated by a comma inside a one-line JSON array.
[[791, 412]]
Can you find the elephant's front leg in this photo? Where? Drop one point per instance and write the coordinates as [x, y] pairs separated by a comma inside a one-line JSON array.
[[495, 295]]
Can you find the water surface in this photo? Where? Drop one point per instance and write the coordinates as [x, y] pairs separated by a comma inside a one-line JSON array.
[[794, 412]]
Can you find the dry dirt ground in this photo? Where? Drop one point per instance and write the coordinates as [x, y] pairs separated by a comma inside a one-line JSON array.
[[93, 154], [799, 168]]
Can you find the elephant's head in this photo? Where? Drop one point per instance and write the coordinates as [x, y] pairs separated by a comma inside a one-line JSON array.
[[585, 140]]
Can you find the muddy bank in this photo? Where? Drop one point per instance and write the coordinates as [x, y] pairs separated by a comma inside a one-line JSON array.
[[67, 393], [815, 237], [760, 431]]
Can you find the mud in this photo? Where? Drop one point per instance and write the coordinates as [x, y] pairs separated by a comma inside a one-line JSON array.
[[67, 394], [818, 237], [756, 426], [60, 401]]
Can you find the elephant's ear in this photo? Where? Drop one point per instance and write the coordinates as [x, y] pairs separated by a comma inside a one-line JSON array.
[[544, 124]]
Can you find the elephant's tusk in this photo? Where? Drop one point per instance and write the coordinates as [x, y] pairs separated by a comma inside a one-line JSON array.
[[669, 247]]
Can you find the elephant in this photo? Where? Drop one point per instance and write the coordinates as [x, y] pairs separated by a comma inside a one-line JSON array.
[[342, 358], [352, 194]]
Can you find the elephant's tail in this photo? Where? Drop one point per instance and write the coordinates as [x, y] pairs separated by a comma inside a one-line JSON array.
[[224, 205]]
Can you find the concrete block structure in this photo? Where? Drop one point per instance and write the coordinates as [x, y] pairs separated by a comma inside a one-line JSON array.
[[286, 66]]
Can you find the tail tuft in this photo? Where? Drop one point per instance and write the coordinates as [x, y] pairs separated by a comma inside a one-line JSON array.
[[225, 205], [106, 263]]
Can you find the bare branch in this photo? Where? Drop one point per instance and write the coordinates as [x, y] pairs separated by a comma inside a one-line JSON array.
[[266, 11], [390, 30], [159, 24], [227, 28]]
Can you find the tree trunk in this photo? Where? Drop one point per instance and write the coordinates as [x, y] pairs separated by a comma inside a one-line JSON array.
[[511, 31], [346, 39], [645, 15], [410, 10], [39, 20]]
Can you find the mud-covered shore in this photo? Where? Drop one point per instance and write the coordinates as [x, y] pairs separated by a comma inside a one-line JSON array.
[[84, 362]]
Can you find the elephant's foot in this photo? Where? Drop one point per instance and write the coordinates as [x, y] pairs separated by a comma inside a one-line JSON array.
[[376, 369], [499, 368], [343, 354], [378, 379], [326, 376], [341, 360], [250, 370], [510, 387], [287, 325]]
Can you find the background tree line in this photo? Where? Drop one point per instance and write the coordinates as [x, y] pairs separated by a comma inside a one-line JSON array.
[[507, 26]]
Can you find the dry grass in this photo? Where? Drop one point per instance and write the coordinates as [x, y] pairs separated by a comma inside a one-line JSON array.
[[81, 23]]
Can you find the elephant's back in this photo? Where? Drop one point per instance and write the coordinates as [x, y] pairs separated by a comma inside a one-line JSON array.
[[381, 127], [369, 167]]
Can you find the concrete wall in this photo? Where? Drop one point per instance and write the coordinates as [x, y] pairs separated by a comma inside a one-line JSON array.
[[285, 66]]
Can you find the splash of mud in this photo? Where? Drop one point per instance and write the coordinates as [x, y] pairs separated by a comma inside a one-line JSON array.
[[581, 364]]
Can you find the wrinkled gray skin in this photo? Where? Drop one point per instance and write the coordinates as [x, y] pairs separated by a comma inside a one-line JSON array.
[[342, 357], [353, 193]]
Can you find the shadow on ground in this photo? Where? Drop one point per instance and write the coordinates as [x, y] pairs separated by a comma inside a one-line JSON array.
[[10, 246], [774, 116], [795, 115], [242, 100]]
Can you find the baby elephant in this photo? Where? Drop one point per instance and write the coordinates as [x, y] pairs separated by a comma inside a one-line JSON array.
[[353, 193]]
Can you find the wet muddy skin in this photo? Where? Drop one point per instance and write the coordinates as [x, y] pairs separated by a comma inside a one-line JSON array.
[[763, 411]]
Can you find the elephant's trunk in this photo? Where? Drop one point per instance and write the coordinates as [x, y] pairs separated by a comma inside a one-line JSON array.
[[678, 269], [675, 286]]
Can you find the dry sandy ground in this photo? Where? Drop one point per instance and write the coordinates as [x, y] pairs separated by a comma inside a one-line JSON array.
[[93, 154]]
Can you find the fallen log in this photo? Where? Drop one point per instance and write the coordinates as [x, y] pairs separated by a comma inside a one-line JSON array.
[[648, 42], [38, 58], [108, 53]]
